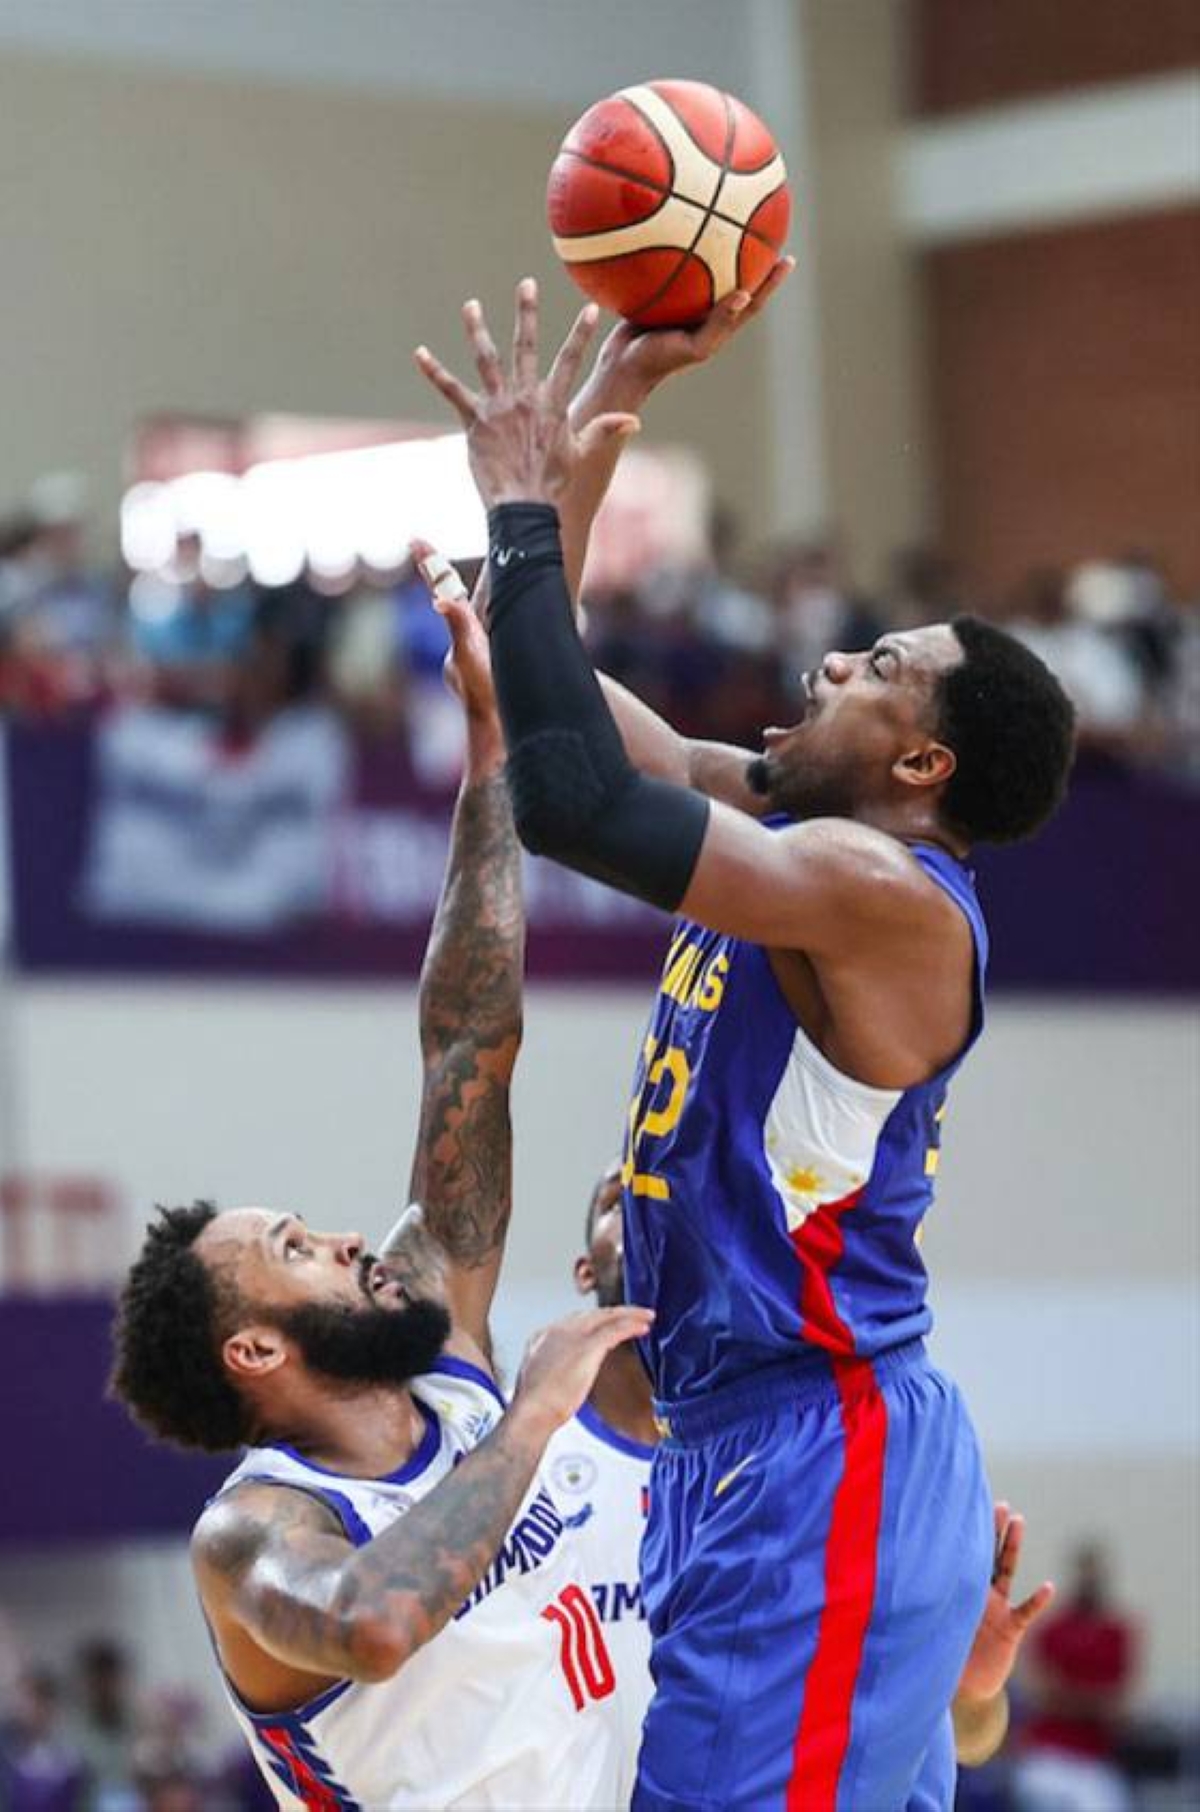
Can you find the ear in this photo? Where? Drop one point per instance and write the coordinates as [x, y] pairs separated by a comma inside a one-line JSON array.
[[930, 765], [585, 1276], [254, 1351]]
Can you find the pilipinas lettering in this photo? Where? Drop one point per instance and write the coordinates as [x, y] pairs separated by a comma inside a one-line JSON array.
[[532, 1537], [691, 981]]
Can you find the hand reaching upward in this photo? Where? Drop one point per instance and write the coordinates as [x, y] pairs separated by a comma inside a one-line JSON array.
[[520, 442]]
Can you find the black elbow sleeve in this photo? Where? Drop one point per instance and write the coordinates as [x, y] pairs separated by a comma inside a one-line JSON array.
[[576, 796]]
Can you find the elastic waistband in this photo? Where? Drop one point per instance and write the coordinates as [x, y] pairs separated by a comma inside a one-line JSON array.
[[783, 1387]]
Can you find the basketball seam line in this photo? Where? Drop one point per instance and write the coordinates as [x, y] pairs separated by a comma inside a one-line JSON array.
[[660, 292], [646, 182]]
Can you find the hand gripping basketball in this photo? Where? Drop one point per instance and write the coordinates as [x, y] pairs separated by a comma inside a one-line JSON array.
[[520, 442]]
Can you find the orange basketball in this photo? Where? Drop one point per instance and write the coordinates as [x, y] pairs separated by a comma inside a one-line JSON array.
[[664, 198]]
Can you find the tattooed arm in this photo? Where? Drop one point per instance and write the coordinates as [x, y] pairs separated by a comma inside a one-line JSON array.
[[289, 1598], [470, 1017]]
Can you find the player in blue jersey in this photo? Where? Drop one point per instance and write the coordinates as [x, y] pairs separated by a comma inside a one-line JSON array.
[[819, 1541]]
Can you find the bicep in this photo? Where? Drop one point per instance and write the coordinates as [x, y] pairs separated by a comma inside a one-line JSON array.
[[798, 889], [272, 1565]]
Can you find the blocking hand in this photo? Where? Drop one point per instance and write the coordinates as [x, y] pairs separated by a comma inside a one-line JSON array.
[[561, 1362], [520, 442]]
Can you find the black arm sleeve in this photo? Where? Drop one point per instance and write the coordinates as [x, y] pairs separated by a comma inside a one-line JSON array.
[[576, 795]]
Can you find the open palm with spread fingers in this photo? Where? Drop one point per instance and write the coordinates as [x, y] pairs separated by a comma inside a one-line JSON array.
[[520, 442], [1003, 1626]]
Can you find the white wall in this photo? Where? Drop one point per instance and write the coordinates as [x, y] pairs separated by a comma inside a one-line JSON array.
[[1063, 1246]]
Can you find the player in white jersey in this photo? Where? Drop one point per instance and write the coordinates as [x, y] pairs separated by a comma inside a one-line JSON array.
[[393, 1600]]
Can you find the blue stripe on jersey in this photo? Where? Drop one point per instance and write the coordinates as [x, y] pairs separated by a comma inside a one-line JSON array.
[[707, 1240], [416, 1463], [453, 1367]]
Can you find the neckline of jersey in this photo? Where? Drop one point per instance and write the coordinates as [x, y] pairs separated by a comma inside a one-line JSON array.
[[412, 1467]]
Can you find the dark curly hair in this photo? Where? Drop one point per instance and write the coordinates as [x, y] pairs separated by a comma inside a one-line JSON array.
[[172, 1314], [1012, 729]]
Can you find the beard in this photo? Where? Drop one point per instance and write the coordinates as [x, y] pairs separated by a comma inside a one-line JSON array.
[[802, 791], [371, 1345]]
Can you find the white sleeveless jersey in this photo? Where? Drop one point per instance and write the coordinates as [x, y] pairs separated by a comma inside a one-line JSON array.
[[512, 1705], [600, 1480]]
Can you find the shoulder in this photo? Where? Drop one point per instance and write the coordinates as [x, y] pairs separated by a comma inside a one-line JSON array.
[[871, 873], [243, 1523]]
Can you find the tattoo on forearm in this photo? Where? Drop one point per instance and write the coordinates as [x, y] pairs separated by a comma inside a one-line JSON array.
[[470, 1011], [313, 1607]]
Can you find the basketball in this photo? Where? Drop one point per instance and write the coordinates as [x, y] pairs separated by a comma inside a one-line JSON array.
[[664, 198]]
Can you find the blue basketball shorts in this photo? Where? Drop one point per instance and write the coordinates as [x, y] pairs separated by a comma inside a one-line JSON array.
[[815, 1565]]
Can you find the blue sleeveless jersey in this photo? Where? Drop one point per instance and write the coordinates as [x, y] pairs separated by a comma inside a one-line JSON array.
[[772, 1205]]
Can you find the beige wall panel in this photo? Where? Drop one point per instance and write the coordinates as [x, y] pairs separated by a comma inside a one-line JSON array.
[[212, 246], [869, 325]]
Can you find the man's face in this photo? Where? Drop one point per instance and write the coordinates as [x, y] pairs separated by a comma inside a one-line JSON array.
[[863, 713], [334, 1303], [602, 1272]]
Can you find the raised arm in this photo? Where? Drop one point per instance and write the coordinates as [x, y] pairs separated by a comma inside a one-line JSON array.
[[470, 1023], [632, 364], [278, 1579]]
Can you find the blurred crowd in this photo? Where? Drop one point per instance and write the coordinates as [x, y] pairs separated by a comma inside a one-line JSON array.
[[96, 1737], [99, 1737], [718, 647]]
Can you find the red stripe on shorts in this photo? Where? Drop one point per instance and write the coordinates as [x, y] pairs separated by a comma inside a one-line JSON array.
[[823, 1735]]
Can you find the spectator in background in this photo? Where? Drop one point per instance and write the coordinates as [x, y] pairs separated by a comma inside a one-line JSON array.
[[104, 1729], [1082, 1664], [723, 611], [1072, 624], [40, 1769], [816, 608], [190, 635], [59, 621], [923, 587]]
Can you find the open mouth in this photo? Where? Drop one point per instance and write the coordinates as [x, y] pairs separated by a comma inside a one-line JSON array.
[[380, 1285]]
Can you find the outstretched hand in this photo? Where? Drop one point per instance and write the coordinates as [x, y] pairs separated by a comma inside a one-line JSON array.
[[1003, 1627], [520, 442]]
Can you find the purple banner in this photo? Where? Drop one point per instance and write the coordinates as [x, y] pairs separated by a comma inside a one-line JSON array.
[[1105, 900], [77, 1468]]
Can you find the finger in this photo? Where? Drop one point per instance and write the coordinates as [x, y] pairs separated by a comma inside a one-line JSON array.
[[444, 581], [560, 381], [453, 389], [720, 323], [605, 429], [525, 335], [771, 284], [1028, 1612], [487, 359], [1009, 1554]]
